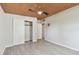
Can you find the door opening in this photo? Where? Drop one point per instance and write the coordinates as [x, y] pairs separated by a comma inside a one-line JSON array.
[[28, 31]]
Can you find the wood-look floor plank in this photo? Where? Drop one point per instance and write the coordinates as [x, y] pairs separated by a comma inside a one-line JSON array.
[[41, 47]]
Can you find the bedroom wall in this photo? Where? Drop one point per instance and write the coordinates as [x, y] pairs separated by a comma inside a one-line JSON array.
[[19, 28], [5, 32], [12, 30], [64, 28]]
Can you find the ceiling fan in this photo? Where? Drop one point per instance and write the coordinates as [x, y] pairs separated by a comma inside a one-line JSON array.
[[39, 12]]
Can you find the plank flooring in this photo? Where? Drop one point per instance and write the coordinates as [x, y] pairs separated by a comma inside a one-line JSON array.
[[41, 47]]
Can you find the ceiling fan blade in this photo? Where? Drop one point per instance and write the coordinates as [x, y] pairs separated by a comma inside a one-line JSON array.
[[31, 10], [45, 13]]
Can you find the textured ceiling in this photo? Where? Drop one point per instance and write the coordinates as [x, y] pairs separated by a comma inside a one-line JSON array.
[[23, 8]]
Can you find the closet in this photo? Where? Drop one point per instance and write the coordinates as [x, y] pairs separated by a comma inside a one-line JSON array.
[[28, 31]]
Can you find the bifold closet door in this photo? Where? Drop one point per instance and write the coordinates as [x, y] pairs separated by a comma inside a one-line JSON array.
[[28, 31], [18, 31]]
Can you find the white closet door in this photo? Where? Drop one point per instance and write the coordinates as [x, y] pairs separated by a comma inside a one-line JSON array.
[[18, 31], [39, 31], [27, 33]]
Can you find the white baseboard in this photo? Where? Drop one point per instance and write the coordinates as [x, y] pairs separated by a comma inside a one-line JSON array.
[[39, 39], [3, 48], [9, 45], [62, 45], [2, 51], [34, 40]]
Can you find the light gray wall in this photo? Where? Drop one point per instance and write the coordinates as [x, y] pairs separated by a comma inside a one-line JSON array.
[[19, 28], [12, 30], [5, 31], [64, 28], [18, 31]]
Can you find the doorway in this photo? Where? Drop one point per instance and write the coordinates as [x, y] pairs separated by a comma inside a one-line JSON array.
[[28, 31]]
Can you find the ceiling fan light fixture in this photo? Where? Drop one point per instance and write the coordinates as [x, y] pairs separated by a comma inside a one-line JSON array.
[[40, 12]]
